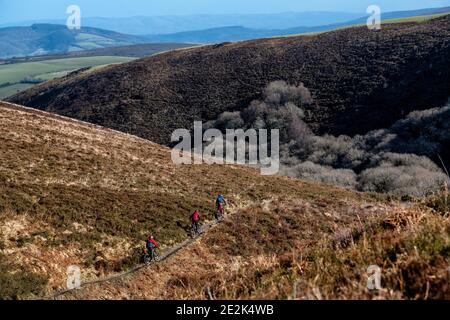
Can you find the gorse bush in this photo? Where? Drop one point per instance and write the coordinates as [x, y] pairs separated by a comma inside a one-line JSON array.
[[395, 160]]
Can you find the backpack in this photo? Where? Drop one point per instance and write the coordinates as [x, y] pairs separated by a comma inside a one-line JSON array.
[[220, 199], [150, 245]]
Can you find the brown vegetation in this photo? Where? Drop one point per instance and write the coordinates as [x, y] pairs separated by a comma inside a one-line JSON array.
[[295, 249], [73, 193]]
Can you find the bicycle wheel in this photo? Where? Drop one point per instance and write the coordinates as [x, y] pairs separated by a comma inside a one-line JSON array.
[[147, 259], [156, 256]]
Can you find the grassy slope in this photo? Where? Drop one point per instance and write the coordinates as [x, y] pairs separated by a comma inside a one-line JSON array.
[[72, 193], [9, 90], [49, 69], [318, 248]]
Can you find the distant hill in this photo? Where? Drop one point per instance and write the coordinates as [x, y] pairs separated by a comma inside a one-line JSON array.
[[136, 50], [40, 39], [240, 32], [215, 35], [265, 24], [360, 80], [405, 14], [44, 39], [180, 23]]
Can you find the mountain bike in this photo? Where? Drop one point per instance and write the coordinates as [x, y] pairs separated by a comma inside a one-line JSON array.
[[219, 215], [195, 229], [153, 256], [220, 212]]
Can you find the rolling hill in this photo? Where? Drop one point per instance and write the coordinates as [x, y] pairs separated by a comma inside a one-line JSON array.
[[360, 80], [40, 39], [18, 74], [167, 25], [178, 23], [136, 50], [52, 37], [239, 32], [73, 193]]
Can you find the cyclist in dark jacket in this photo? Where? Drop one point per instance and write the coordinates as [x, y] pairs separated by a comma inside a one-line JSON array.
[[221, 202]]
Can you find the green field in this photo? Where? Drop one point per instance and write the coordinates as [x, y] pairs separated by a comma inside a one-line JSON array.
[[12, 89], [15, 77]]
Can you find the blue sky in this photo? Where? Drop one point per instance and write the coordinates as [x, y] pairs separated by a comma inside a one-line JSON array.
[[20, 10]]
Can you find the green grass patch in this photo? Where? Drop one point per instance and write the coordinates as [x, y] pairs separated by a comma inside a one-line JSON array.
[[13, 89], [47, 70]]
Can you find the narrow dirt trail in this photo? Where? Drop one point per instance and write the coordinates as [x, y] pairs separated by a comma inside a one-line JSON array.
[[164, 256]]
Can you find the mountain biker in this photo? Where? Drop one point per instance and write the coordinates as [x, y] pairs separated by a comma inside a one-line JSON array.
[[195, 218], [221, 202], [151, 246], [220, 211]]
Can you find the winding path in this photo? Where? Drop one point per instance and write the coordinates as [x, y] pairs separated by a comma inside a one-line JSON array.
[[164, 256]]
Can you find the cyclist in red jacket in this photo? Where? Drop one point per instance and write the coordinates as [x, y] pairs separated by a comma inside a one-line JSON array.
[[151, 246], [195, 218]]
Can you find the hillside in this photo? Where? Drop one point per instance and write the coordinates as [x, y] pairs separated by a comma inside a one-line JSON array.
[[300, 250], [73, 193], [360, 75], [40, 39], [18, 74], [137, 50]]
